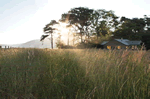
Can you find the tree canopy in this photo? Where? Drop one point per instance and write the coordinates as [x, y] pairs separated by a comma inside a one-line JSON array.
[[48, 29], [101, 23], [79, 17]]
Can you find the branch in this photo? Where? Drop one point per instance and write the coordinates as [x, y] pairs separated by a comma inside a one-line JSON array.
[[43, 37]]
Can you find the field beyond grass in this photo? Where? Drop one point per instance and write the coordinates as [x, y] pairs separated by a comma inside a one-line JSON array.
[[74, 74]]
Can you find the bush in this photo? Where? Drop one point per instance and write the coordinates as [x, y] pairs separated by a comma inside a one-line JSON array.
[[88, 45], [67, 47]]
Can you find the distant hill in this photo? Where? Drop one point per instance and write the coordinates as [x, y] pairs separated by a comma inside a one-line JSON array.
[[32, 44], [37, 44]]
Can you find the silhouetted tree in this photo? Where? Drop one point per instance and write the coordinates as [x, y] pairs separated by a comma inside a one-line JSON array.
[[79, 17], [130, 28], [49, 30], [102, 21]]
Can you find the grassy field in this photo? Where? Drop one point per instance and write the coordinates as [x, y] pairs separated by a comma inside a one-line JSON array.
[[74, 74]]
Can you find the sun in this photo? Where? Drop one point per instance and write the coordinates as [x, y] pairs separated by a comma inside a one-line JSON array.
[[62, 30], [62, 27]]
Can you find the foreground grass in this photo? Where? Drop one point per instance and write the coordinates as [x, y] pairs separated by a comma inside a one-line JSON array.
[[74, 74]]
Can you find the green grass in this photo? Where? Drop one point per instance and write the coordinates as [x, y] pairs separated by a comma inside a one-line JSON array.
[[74, 74]]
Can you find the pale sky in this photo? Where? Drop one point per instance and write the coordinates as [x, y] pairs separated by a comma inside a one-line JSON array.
[[23, 20]]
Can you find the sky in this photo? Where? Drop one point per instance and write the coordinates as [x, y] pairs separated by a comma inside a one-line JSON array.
[[24, 20]]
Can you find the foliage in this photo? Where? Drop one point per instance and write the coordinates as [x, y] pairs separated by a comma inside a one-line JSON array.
[[79, 17], [83, 45], [103, 21], [89, 45], [145, 38], [48, 29], [85, 22], [90, 22], [60, 44], [132, 28], [67, 47]]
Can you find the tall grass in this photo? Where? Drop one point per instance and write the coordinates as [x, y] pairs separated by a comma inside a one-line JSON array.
[[74, 74]]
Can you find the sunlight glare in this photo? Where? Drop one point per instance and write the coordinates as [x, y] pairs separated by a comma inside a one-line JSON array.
[[62, 30]]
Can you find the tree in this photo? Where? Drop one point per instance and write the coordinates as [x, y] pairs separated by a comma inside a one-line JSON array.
[[49, 30], [103, 21], [135, 29], [59, 42], [79, 17], [130, 28], [147, 22]]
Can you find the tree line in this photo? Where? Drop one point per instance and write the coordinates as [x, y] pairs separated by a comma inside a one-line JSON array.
[[99, 25]]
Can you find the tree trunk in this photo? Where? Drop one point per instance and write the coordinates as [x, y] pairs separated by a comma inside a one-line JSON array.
[[68, 38], [73, 38], [81, 38], [51, 41], [81, 34]]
